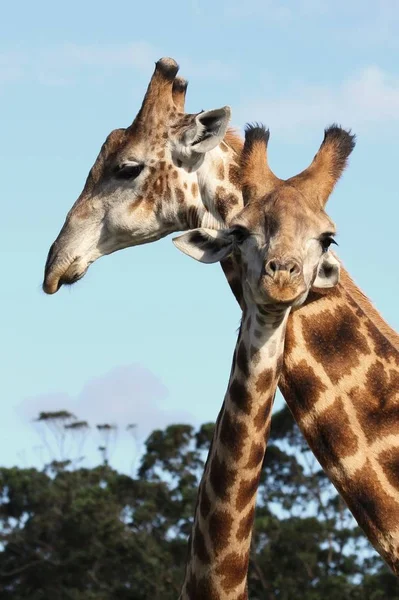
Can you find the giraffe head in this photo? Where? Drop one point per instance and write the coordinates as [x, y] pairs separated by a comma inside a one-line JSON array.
[[142, 185], [281, 237]]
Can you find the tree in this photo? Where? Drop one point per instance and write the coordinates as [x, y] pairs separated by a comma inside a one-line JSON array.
[[96, 534]]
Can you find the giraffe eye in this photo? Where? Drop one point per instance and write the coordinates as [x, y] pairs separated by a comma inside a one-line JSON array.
[[240, 234], [128, 171], [326, 241]]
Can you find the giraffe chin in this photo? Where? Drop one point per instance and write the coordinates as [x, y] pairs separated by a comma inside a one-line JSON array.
[[285, 296]]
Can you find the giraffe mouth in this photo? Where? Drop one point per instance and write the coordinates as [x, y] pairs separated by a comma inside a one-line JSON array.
[[55, 278]]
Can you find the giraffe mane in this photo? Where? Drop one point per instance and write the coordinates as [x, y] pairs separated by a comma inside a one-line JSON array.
[[367, 307], [234, 140]]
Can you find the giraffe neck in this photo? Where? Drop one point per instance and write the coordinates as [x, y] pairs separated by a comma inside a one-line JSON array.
[[341, 381], [221, 535]]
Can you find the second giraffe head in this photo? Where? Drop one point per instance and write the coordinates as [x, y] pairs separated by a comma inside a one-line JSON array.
[[281, 238]]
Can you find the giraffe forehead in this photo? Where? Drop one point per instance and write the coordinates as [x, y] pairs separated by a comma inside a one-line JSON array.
[[142, 141], [126, 145], [276, 215], [114, 147]]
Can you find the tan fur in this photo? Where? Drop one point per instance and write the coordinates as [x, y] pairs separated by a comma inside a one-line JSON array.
[[234, 140], [256, 176], [319, 179], [179, 90]]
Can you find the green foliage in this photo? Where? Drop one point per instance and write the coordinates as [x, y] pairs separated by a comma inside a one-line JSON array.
[[71, 533]]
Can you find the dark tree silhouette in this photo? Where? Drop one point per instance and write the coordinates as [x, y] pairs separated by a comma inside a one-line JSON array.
[[71, 533]]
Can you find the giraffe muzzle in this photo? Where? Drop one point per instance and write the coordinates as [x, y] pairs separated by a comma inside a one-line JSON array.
[[62, 271], [283, 280]]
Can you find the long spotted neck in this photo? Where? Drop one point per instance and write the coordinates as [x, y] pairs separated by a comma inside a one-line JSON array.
[[221, 535], [341, 382]]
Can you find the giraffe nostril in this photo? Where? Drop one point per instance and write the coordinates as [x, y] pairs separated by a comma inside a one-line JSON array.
[[294, 269], [271, 267], [289, 266]]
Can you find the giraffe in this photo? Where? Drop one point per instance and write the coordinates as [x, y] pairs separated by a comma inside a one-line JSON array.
[[280, 242], [350, 422]]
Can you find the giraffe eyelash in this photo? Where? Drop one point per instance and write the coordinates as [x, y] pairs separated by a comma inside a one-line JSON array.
[[129, 170], [326, 240]]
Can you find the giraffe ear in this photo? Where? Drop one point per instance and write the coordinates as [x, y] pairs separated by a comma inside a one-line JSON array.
[[207, 130], [328, 272], [205, 245]]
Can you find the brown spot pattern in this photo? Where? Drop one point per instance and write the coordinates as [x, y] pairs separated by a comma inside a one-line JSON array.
[[383, 347], [225, 201], [205, 502], [220, 170], [262, 417], [235, 176], [233, 570], [200, 548], [245, 528], [246, 491], [220, 525], [389, 461], [179, 195], [331, 437], [242, 359], [302, 388], [221, 477], [374, 509], [264, 381], [202, 590], [255, 355], [194, 190], [335, 335], [232, 432], [240, 396], [377, 403], [256, 455]]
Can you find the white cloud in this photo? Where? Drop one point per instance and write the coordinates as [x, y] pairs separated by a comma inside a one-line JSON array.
[[368, 99], [125, 395]]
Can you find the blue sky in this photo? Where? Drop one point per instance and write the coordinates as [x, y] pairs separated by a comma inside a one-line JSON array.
[[147, 336]]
